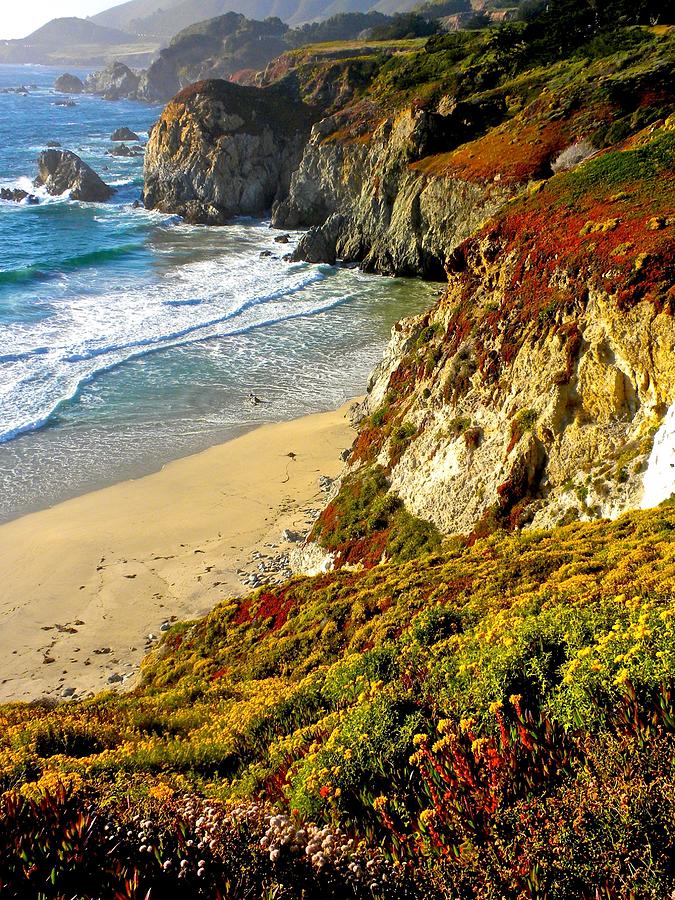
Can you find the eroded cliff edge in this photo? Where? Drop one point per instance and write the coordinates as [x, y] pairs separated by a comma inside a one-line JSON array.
[[530, 394]]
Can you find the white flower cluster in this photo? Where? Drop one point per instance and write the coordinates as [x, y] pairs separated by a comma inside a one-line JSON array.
[[325, 846], [207, 822]]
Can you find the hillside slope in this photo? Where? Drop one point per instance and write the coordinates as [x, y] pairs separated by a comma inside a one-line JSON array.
[[494, 720], [230, 47], [79, 40]]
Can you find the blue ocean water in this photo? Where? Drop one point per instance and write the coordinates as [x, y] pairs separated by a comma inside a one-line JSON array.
[[128, 338]]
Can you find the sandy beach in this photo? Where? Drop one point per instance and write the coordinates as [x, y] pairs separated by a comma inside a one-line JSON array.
[[86, 582]]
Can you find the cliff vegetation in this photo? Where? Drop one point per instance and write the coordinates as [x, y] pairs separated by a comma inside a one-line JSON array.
[[485, 720]]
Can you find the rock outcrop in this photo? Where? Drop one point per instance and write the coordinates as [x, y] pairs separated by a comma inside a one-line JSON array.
[[221, 150], [69, 84], [124, 134], [159, 82], [61, 170], [367, 204], [115, 82]]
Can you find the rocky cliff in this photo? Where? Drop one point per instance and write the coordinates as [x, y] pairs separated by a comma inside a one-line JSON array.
[[413, 163], [221, 149], [530, 395], [368, 204]]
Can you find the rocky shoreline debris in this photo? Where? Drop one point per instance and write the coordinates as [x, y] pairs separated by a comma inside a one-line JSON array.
[[16, 195], [23, 90], [274, 567], [125, 150]]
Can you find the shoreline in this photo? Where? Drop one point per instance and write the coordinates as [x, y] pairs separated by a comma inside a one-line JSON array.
[[136, 470], [85, 582]]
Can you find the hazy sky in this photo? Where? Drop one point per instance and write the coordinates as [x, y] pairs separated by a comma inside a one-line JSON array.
[[20, 17]]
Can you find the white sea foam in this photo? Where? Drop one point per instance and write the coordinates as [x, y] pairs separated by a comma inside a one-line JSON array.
[[45, 364]]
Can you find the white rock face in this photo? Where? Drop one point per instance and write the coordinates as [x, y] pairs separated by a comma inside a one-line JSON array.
[[310, 559], [659, 479]]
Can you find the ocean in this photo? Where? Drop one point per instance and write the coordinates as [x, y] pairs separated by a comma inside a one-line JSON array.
[[128, 338]]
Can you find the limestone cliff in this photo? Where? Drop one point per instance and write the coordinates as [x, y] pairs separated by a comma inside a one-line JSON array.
[[221, 149], [531, 393]]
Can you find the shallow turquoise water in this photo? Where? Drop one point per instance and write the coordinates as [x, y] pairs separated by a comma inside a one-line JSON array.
[[128, 338]]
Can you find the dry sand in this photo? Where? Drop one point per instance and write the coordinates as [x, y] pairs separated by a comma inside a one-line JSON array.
[[84, 583]]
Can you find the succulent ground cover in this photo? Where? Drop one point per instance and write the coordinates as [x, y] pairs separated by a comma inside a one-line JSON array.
[[486, 719]]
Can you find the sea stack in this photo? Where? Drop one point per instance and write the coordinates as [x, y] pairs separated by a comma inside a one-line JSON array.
[[69, 84], [124, 134], [62, 170]]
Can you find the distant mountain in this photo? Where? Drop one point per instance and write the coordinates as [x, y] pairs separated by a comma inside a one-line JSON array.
[[76, 31], [160, 19], [77, 40]]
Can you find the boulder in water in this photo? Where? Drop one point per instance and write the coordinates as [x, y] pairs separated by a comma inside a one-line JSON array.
[[53, 143], [123, 150], [113, 83], [61, 170], [69, 84], [124, 134], [66, 103], [319, 244]]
